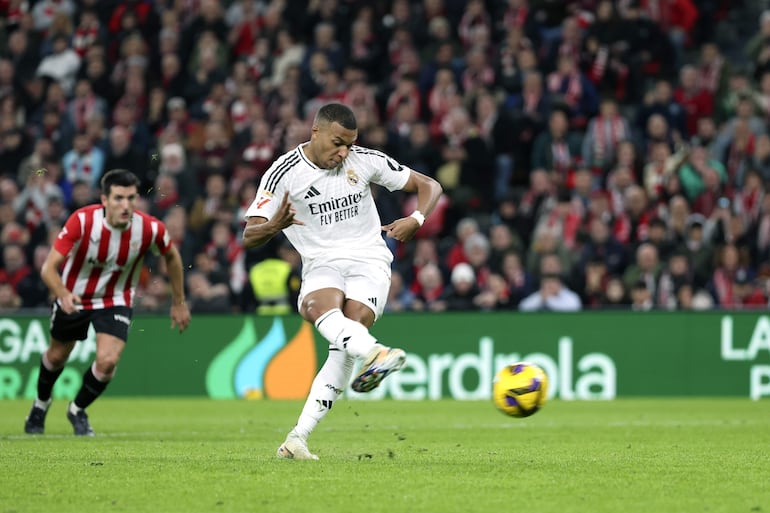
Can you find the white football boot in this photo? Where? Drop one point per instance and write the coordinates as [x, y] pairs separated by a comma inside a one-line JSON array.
[[295, 448], [380, 362]]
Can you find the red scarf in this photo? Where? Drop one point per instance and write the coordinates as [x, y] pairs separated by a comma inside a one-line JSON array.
[[737, 156], [723, 284], [568, 85], [515, 17], [607, 132], [709, 75], [83, 38]]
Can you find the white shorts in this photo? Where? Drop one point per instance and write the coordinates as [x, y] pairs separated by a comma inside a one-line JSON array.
[[365, 282]]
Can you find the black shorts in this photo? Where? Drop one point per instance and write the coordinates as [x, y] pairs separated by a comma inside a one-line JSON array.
[[114, 321]]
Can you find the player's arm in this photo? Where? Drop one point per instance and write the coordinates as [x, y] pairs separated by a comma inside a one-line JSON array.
[[49, 272], [428, 193], [259, 229], [180, 312]]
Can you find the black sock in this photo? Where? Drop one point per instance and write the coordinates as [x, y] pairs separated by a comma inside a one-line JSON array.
[[90, 390], [46, 380]]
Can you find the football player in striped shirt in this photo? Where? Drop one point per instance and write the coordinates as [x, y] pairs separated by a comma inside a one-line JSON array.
[[319, 196], [100, 251]]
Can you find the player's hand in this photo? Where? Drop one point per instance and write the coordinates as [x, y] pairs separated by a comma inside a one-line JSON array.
[[284, 216], [70, 303], [402, 229], [180, 316]]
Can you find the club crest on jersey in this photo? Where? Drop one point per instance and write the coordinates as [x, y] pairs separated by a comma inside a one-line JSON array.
[[352, 177], [135, 244]]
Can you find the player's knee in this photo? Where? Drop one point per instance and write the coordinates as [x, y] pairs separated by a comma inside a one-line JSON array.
[[106, 364], [57, 359], [57, 355], [311, 309], [359, 313]]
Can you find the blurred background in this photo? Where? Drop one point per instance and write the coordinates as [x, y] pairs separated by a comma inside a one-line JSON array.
[[594, 154]]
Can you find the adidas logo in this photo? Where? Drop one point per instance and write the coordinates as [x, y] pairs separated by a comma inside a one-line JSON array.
[[373, 300], [312, 192]]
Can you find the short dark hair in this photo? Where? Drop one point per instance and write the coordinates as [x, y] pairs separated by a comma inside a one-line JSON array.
[[119, 177], [339, 113]]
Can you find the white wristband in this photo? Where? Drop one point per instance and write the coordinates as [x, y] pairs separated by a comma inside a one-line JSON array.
[[418, 216]]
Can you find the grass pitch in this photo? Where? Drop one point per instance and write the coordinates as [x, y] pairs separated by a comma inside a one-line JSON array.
[[196, 455]]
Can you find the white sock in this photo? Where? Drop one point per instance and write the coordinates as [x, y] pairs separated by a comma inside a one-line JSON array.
[[327, 386], [345, 334], [74, 409], [43, 405]]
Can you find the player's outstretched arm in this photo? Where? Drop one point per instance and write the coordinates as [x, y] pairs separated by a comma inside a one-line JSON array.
[[259, 230], [428, 193], [180, 312], [69, 302]]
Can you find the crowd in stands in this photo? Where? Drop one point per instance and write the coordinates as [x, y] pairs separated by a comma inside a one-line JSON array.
[[593, 153]]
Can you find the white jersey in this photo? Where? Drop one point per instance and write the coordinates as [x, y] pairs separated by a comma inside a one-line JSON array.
[[336, 205]]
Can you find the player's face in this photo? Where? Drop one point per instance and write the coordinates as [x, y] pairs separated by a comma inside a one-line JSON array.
[[119, 205], [331, 144]]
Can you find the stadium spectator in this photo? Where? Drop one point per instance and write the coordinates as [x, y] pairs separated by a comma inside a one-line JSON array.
[[552, 294], [697, 101], [602, 245], [400, 298], [646, 267], [675, 275], [10, 300], [206, 297], [61, 65], [430, 285], [166, 73], [641, 297], [520, 283], [463, 288], [592, 283], [603, 134], [694, 173], [155, 296], [557, 149]]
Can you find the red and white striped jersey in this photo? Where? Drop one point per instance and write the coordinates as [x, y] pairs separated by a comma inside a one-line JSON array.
[[103, 263]]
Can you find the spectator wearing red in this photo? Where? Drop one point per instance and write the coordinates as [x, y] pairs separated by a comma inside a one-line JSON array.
[[474, 19], [227, 250], [430, 286], [722, 281], [631, 226], [602, 136], [746, 293], [15, 268], [88, 32], [697, 101], [675, 17], [574, 89], [246, 29]]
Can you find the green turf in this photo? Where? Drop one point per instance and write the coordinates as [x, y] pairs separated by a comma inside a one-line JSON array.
[[168, 455]]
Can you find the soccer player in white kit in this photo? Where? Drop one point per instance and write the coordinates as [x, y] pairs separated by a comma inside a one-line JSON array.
[[319, 195]]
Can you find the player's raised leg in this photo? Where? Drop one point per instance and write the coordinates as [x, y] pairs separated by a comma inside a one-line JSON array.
[[380, 362]]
